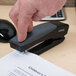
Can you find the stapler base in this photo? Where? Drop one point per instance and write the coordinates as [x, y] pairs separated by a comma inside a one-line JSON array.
[[39, 49]]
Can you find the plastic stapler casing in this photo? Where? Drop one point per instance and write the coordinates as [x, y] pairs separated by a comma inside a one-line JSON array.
[[42, 38]]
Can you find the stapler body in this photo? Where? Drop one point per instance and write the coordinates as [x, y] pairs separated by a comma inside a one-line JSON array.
[[42, 38]]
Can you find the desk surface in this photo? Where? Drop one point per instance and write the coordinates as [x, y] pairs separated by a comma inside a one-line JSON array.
[[62, 55]]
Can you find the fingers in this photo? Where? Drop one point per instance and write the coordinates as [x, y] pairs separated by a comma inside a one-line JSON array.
[[30, 27], [47, 8], [22, 18], [23, 26], [39, 15], [58, 4], [14, 13]]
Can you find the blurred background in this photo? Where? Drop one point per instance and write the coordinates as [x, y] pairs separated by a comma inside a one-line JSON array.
[[69, 3]]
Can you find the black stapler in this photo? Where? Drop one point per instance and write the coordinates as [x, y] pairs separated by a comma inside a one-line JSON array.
[[42, 38]]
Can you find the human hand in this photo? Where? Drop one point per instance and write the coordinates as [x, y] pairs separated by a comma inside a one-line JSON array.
[[26, 11]]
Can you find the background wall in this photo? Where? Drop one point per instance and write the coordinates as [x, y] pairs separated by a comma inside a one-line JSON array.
[[10, 2]]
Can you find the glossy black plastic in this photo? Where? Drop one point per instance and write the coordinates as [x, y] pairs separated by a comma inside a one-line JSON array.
[[7, 30], [46, 32]]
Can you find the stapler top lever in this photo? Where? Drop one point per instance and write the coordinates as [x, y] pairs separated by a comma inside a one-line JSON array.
[[43, 37]]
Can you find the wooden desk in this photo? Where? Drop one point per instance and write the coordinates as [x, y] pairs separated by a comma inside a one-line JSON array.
[[63, 55]]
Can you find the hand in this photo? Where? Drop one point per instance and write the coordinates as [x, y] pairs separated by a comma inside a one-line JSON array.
[[26, 11]]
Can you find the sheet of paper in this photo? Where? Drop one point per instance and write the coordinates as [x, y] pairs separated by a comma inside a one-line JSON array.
[[28, 64]]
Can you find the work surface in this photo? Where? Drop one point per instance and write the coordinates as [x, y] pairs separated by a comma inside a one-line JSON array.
[[64, 54]]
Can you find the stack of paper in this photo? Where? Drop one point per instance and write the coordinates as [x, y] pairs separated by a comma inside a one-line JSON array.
[[28, 64]]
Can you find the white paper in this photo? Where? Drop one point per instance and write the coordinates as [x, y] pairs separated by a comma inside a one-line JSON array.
[[28, 64]]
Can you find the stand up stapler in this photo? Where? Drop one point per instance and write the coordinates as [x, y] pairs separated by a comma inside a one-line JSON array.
[[42, 38]]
